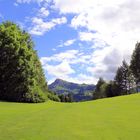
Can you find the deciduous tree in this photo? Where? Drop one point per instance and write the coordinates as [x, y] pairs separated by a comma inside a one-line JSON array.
[[21, 75]]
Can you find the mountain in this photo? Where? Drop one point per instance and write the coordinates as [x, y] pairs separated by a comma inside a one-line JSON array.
[[80, 92]]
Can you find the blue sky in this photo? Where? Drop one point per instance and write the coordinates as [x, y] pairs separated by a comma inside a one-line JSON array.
[[80, 40]]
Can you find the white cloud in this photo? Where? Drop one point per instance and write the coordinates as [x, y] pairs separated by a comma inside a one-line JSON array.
[[61, 20], [61, 70], [106, 62], [43, 12], [112, 26], [86, 36], [96, 64], [115, 25], [78, 6], [28, 1], [15, 4], [82, 78], [63, 56], [70, 56], [67, 43], [40, 26], [71, 6], [93, 38]]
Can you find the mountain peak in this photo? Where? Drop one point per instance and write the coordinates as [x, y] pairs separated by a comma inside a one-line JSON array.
[[58, 81], [79, 91]]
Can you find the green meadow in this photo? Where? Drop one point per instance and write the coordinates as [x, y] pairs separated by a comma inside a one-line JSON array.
[[115, 118]]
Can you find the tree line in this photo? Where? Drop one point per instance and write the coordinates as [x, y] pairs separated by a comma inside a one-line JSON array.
[[66, 97], [126, 80], [21, 74]]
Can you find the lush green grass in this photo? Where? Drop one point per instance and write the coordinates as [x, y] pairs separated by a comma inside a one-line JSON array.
[[107, 119]]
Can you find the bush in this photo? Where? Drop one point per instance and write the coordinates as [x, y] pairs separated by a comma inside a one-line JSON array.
[[52, 96]]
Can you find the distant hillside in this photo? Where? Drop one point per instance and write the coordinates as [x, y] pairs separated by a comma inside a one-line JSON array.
[[80, 92]]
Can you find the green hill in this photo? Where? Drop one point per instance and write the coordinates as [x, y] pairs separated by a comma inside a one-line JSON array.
[[80, 92], [106, 119]]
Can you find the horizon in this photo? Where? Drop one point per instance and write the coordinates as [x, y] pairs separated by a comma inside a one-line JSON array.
[[78, 41]]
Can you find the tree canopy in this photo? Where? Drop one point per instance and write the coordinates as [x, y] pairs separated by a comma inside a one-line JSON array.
[[21, 75]]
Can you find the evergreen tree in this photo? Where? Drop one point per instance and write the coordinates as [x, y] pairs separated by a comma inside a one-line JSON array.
[[62, 97], [70, 97], [98, 93], [120, 80], [111, 89], [131, 82], [124, 79], [21, 75], [66, 98], [135, 64]]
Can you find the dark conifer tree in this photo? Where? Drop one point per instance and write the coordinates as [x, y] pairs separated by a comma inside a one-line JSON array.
[[98, 90], [124, 79], [135, 64]]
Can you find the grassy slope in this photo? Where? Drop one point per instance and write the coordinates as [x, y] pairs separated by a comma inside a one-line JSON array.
[[107, 119]]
